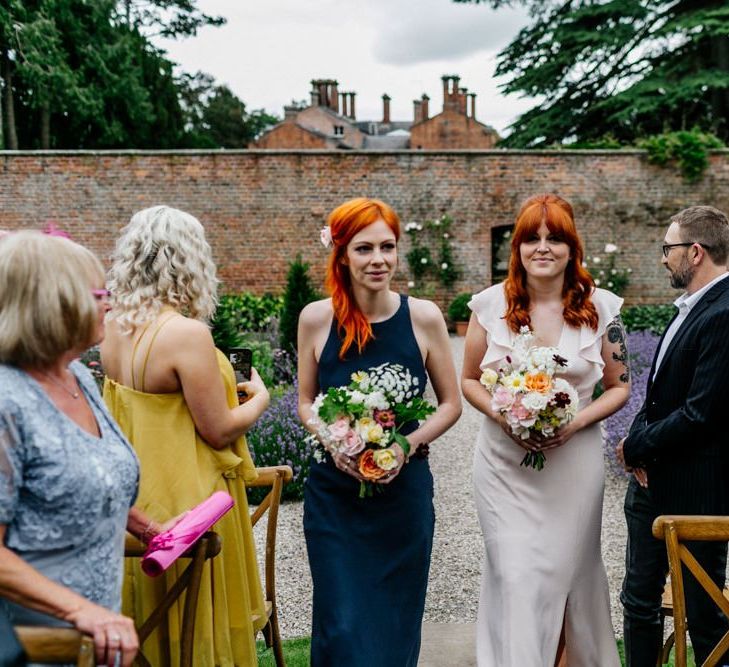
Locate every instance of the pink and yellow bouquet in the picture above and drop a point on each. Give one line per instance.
(363, 419)
(527, 392)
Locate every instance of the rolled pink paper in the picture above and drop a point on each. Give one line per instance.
(165, 548)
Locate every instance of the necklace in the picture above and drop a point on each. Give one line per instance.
(71, 392)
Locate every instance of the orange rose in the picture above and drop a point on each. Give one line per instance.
(540, 382)
(368, 468)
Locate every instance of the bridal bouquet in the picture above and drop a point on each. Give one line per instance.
(363, 418)
(526, 391)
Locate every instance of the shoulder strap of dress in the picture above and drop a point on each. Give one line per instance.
(149, 349)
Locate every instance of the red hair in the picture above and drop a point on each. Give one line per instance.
(557, 214)
(345, 222)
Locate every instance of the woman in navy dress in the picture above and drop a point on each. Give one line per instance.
(369, 557)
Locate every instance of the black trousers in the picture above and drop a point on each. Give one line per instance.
(646, 568)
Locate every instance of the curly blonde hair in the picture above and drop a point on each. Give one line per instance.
(161, 259)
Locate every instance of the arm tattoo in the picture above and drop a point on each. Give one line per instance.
(616, 334)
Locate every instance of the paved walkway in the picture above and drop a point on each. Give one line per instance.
(448, 645)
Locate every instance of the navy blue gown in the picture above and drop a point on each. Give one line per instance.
(369, 557)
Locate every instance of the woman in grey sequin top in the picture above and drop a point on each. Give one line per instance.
(68, 477)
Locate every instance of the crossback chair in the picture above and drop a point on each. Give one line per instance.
(275, 477)
(675, 530)
(52, 646)
(208, 546)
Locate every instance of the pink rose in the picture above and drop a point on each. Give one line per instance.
(352, 444)
(339, 429)
(519, 411)
(502, 399)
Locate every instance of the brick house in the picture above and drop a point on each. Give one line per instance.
(330, 123)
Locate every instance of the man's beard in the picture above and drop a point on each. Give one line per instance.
(681, 277)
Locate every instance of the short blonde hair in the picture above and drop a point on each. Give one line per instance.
(161, 259)
(46, 303)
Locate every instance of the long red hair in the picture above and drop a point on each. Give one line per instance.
(345, 222)
(556, 213)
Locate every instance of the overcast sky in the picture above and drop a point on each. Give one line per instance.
(269, 51)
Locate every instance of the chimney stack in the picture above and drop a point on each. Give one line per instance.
(462, 95)
(334, 96)
(385, 108)
(352, 115)
(424, 111)
(473, 105)
(323, 101)
(417, 111)
(343, 97)
(290, 111)
(314, 93)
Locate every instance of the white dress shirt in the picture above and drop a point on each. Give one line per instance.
(684, 303)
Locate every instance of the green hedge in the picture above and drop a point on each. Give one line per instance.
(653, 318)
(243, 313)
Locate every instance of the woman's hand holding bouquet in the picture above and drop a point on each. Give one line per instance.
(535, 404)
(359, 424)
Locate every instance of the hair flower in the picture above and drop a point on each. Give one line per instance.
(326, 236)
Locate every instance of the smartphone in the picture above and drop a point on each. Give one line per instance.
(241, 359)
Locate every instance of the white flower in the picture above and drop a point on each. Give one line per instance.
(597, 260)
(630, 270)
(597, 282)
(610, 283)
(436, 223)
(444, 265)
(446, 235)
(357, 397)
(376, 400)
(613, 272)
(419, 228)
(316, 405)
(411, 283)
(411, 226)
(611, 247)
(423, 260)
(534, 401)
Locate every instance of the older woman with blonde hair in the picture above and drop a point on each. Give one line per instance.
(174, 396)
(68, 476)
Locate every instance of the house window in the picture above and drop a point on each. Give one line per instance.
(500, 252)
(339, 130)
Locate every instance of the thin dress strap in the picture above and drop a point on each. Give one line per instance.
(149, 349)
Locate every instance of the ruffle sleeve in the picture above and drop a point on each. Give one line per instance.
(590, 348)
(489, 307)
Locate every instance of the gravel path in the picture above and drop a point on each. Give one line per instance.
(454, 575)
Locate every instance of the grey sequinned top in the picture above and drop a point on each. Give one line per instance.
(64, 493)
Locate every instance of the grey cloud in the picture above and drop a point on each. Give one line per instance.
(442, 30)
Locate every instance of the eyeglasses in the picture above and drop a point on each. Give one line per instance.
(101, 294)
(666, 247)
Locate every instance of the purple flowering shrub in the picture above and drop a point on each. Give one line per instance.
(279, 438)
(641, 348)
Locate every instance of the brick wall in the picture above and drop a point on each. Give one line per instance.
(262, 207)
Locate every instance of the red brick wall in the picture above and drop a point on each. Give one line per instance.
(262, 207)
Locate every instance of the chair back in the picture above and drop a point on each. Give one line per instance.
(208, 546)
(53, 646)
(675, 531)
(275, 477)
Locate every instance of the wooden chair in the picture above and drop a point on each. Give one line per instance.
(275, 477)
(189, 581)
(675, 530)
(51, 646)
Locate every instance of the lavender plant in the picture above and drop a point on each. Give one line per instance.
(278, 438)
(641, 346)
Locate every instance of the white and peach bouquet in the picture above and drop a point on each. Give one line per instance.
(527, 392)
(364, 418)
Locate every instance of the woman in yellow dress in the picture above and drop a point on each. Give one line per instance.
(174, 395)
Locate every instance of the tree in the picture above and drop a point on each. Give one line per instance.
(166, 18)
(299, 292)
(216, 117)
(618, 67)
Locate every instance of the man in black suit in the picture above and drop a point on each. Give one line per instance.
(678, 444)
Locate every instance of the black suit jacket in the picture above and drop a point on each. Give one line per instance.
(681, 434)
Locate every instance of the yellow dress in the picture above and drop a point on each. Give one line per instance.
(178, 471)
